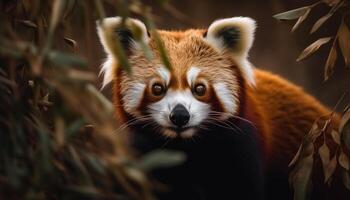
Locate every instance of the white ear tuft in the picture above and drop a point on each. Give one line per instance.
(234, 35)
(130, 34)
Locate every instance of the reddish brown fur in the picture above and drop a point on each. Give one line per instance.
(281, 110)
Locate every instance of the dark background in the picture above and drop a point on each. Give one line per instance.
(275, 48)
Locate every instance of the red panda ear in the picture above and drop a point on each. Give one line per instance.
(130, 33)
(234, 35)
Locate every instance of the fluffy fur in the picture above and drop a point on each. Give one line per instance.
(242, 131)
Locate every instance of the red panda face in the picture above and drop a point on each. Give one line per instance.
(203, 86)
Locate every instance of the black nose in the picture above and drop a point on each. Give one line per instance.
(179, 116)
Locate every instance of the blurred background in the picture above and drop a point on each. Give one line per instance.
(51, 108)
(275, 49)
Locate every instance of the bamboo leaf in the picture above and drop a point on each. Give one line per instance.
(335, 136)
(86, 191)
(345, 130)
(57, 12)
(346, 179)
(330, 168)
(331, 2)
(296, 157)
(292, 14)
(71, 42)
(66, 59)
(301, 179)
(137, 33)
(344, 120)
(323, 19)
(330, 63)
(344, 42)
(344, 161)
(28, 23)
(161, 159)
(114, 44)
(100, 10)
(319, 22)
(313, 48)
(162, 51)
(301, 19)
(323, 152)
(305, 149)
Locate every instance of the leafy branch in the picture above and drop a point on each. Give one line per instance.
(341, 38)
(328, 140)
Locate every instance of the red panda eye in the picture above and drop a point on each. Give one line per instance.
(158, 89)
(199, 90)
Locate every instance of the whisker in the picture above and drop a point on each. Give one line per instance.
(132, 121)
(217, 113)
(210, 121)
(226, 124)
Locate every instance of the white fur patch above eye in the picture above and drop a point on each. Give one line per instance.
(226, 97)
(192, 74)
(133, 97)
(164, 74)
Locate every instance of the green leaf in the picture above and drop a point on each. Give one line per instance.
(162, 51)
(292, 14)
(66, 59)
(112, 40)
(87, 191)
(73, 128)
(161, 159)
(95, 164)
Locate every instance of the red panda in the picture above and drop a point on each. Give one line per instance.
(239, 126)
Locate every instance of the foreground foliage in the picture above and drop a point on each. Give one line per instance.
(59, 139)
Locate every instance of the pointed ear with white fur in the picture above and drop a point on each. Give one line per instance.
(234, 35)
(130, 33)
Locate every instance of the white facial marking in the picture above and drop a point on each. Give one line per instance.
(192, 75)
(165, 74)
(133, 97)
(226, 97)
(169, 133)
(188, 133)
(161, 110)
